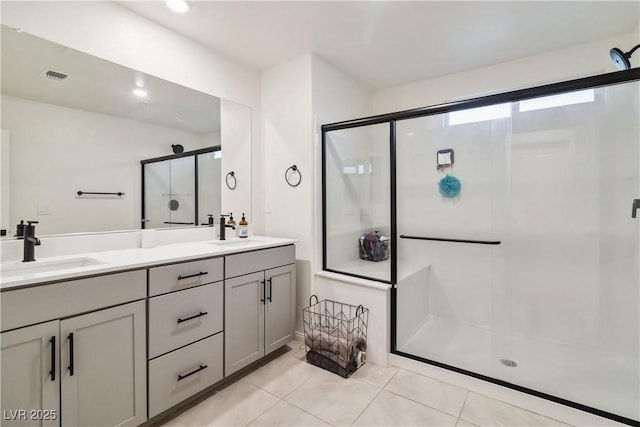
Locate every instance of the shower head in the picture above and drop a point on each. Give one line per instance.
(621, 59)
(177, 148)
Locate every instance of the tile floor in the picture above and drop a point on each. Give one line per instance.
(290, 392)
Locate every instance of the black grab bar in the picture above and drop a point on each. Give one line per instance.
(440, 239)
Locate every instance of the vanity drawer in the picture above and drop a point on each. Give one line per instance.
(250, 262)
(184, 275)
(178, 319)
(26, 306)
(169, 379)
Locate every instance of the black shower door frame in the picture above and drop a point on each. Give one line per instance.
(194, 154)
(596, 81)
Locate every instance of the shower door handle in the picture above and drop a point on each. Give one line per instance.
(634, 207)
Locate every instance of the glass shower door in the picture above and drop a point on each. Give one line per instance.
(157, 182)
(169, 193)
(446, 242)
(566, 290)
(182, 197)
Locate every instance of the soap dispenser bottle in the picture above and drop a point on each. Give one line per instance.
(231, 223)
(20, 230)
(210, 221)
(243, 228)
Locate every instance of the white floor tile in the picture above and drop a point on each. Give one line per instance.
(331, 398)
(437, 394)
(281, 376)
(389, 409)
(236, 405)
(285, 414)
(288, 391)
(484, 411)
(464, 423)
(375, 375)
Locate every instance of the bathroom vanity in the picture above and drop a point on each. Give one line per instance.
(120, 337)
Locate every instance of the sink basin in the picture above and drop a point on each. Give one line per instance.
(26, 268)
(232, 242)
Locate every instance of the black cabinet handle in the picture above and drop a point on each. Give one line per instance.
(264, 293)
(202, 273)
(181, 377)
(71, 369)
(195, 316)
(52, 372)
(270, 289)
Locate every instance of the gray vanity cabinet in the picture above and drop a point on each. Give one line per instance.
(279, 316)
(244, 321)
(98, 352)
(185, 331)
(259, 304)
(30, 394)
(103, 361)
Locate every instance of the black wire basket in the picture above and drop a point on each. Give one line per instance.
(335, 335)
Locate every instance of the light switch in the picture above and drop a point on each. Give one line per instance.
(44, 209)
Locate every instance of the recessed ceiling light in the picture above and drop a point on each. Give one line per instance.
(180, 6)
(139, 92)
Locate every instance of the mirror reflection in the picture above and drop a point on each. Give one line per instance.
(181, 190)
(73, 122)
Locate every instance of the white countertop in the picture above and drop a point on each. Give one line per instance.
(11, 275)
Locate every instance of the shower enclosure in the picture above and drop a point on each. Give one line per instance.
(182, 189)
(530, 276)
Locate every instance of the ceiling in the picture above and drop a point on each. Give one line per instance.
(388, 43)
(100, 86)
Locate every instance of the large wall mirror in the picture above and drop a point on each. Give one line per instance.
(72, 122)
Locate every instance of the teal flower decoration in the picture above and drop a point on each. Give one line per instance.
(449, 186)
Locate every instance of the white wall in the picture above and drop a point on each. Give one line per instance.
(554, 66)
(297, 97)
(52, 149)
(235, 123)
(111, 32)
(287, 132)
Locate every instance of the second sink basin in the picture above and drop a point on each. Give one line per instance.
(26, 268)
(233, 242)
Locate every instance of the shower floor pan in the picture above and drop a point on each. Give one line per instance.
(595, 378)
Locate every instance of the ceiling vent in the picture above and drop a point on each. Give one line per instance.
(53, 76)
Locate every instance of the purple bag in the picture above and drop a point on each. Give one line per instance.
(373, 247)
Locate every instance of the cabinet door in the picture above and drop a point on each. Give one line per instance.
(243, 321)
(30, 376)
(280, 307)
(103, 357)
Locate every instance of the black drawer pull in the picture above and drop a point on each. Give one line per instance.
(70, 368)
(195, 316)
(181, 377)
(270, 289)
(52, 372)
(264, 292)
(202, 273)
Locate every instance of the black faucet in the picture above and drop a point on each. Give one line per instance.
(223, 227)
(30, 241)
